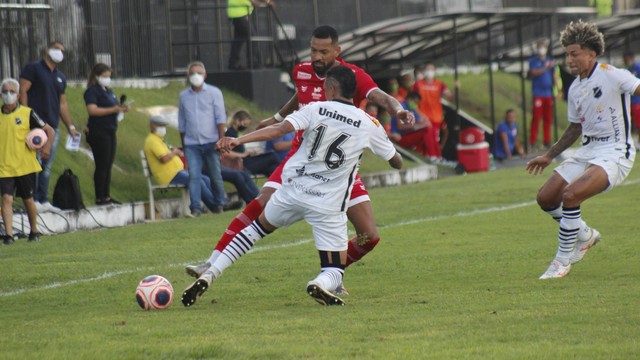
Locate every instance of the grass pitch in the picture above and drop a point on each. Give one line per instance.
(454, 277)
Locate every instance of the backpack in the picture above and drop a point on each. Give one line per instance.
(67, 194)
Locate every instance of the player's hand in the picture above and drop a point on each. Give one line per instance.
(225, 144)
(266, 122)
(45, 153)
(406, 117)
(537, 165)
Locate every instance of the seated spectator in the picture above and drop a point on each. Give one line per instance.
(412, 136)
(167, 167)
(280, 146)
(507, 143)
(239, 158)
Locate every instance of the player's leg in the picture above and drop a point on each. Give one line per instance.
(25, 186)
(240, 245)
(593, 181)
(330, 234)
(547, 120)
(360, 214)
(7, 188)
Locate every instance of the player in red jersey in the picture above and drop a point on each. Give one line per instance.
(309, 79)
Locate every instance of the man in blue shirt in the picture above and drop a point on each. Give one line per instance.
(541, 71)
(507, 143)
(634, 68)
(42, 88)
(201, 122)
(280, 146)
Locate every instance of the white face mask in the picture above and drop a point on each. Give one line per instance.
(161, 131)
(429, 74)
(56, 55)
(196, 80)
(9, 98)
(104, 81)
(542, 51)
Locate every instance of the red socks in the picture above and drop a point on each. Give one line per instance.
(356, 252)
(246, 217)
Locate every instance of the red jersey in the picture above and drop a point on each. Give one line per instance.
(310, 89)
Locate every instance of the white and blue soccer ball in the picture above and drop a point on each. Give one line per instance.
(154, 293)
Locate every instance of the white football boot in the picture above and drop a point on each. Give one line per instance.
(556, 270)
(592, 237)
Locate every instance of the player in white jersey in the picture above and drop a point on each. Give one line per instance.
(316, 183)
(598, 113)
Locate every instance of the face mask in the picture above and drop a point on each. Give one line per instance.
(161, 131)
(542, 51)
(196, 80)
(393, 88)
(241, 128)
(412, 105)
(9, 98)
(429, 74)
(56, 55)
(104, 81)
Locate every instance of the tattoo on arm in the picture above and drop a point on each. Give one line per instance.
(387, 102)
(570, 136)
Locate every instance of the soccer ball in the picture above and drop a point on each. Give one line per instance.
(154, 293)
(36, 139)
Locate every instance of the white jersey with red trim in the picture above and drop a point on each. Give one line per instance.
(601, 103)
(321, 173)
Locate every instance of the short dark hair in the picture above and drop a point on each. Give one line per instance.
(325, 32)
(96, 70)
(509, 111)
(346, 80)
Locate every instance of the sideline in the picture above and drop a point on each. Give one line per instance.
(108, 275)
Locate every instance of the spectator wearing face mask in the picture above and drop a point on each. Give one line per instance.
(431, 90)
(542, 74)
(103, 108)
(201, 122)
(42, 88)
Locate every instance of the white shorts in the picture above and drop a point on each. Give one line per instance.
(611, 161)
(329, 230)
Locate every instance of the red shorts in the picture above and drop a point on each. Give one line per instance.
(358, 191)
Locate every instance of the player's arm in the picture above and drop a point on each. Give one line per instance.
(396, 161)
(537, 165)
(269, 133)
(36, 122)
(637, 91)
(391, 105)
(287, 109)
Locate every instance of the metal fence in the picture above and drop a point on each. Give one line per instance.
(143, 38)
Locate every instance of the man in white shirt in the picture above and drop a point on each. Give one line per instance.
(316, 183)
(598, 111)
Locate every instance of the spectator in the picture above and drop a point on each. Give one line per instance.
(42, 88)
(167, 167)
(18, 163)
(238, 11)
(394, 89)
(542, 73)
(201, 122)
(634, 68)
(280, 146)
(412, 136)
(406, 86)
(431, 90)
(103, 108)
(263, 164)
(507, 143)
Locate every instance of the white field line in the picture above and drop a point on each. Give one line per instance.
(286, 245)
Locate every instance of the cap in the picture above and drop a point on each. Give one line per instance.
(159, 120)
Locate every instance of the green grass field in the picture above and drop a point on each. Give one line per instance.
(454, 277)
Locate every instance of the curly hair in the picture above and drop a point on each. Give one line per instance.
(584, 34)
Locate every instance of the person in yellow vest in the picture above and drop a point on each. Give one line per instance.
(238, 12)
(18, 163)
